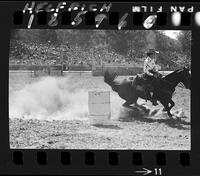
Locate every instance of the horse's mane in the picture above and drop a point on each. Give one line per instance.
(173, 73)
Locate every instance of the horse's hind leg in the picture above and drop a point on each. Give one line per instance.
(127, 103)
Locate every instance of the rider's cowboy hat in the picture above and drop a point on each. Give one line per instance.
(152, 51)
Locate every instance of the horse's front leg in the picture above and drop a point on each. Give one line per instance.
(166, 107)
(172, 104)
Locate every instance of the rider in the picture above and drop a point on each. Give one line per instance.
(150, 74)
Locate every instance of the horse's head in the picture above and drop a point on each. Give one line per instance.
(185, 77)
(180, 76)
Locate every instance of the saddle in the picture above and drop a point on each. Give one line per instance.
(139, 82)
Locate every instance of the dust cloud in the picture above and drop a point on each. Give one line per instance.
(53, 98)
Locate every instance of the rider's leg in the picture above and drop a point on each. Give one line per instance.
(147, 94)
(154, 99)
(154, 96)
(148, 90)
(150, 80)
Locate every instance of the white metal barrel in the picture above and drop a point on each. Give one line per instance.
(99, 107)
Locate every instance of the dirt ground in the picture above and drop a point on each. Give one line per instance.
(128, 129)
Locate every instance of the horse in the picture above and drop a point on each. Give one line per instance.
(167, 84)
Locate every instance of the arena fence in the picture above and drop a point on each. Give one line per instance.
(39, 70)
(96, 70)
(52, 67)
(34, 67)
(79, 68)
(120, 70)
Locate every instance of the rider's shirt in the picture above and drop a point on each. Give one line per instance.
(149, 64)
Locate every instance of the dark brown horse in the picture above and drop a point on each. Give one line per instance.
(130, 93)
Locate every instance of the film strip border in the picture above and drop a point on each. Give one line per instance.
(89, 158)
(95, 15)
(113, 18)
(177, 19)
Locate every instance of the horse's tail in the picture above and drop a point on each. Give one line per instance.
(110, 80)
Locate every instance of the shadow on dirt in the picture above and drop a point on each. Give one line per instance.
(143, 114)
(115, 127)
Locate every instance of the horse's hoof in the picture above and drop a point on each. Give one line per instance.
(154, 103)
(164, 110)
(170, 115)
(152, 113)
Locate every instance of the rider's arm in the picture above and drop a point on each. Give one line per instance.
(154, 66)
(158, 67)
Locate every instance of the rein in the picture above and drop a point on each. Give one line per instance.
(180, 84)
(167, 81)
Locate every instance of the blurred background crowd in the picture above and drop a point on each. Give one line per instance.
(98, 47)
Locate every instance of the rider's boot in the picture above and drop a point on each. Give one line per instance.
(154, 100)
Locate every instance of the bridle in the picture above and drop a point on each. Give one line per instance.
(181, 85)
